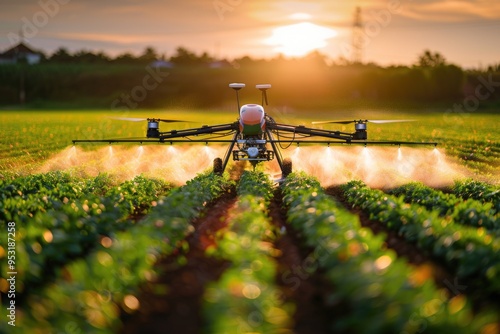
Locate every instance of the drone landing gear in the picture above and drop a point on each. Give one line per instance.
(287, 167)
(218, 170)
(254, 163)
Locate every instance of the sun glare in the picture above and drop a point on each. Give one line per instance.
(299, 39)
(300, 16)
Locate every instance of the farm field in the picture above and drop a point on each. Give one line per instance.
(129, 239)
(30, 138)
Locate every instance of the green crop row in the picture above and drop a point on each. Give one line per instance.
(54, 224)
(467, 212)
(51, 224)
(139, 194)
(471, 253)
(92, 291)
(256, 184)
(21, 198)
(55, 237)
(375, 292)
(246, 299)
(479, 191)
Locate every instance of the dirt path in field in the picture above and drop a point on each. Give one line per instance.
(393, 241)
(425, 265)
(173, 303)
(300, 285)
(411, 252)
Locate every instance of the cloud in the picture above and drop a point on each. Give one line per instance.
(104, 37)
(280, 12)
(121, 26)
(452, 10)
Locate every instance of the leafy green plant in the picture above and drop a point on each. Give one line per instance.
(139, 193)
(93, 289)
(468, 212)
(246, 299)
(58, 219)
(23, 197)
(380, 292)
(478, 190)
(471, 253)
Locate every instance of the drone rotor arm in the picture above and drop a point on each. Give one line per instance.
(204, 130)
(311, 132)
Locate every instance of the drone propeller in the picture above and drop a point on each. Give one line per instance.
(167, 120)
(377, 121)
(133, 119)
(129, 119)
(382, 121)
(331, 122)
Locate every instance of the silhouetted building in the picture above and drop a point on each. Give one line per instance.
(219, 64)
(162, 64)
(21, 53)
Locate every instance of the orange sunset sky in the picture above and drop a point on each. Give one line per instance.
(467, 33)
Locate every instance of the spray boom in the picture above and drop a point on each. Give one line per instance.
(255, 136)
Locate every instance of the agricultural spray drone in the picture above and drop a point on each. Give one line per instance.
(255, 136)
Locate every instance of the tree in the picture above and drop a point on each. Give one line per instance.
(206, 58)
(61, 55)
(429, 59)
(149, 55)
(448, 81)
(316, 57)
(125, 58)
(90, 57)
(244, 61)
(494, 68)
(185, 57)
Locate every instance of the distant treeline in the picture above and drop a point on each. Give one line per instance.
(90, 80)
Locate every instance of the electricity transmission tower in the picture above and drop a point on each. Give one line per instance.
(357, 37)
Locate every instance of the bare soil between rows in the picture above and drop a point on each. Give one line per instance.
(442, 277)
(298, 284)
(173, 304)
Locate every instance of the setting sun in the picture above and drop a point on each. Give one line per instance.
(299, 39)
